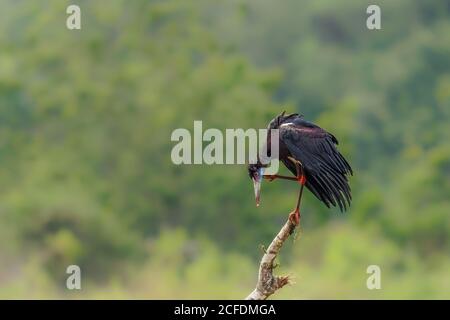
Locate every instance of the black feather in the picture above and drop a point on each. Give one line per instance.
(325, 167)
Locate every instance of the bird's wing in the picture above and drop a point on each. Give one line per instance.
(326, 169)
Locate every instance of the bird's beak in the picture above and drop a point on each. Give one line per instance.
(257, 186)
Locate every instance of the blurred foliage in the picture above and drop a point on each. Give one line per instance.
(85, 124)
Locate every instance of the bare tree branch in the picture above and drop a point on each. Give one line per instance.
(268, 283)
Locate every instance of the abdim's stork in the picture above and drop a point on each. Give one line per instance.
(310, 153)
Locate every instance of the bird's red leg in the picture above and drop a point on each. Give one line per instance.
(294, 216)
(272, 177)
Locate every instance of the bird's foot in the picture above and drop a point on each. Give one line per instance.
(302, 179)
(294, 217)
(270, 177)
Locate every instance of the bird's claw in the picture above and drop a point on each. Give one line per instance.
(270, 177)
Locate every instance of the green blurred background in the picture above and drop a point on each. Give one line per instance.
(85, 122)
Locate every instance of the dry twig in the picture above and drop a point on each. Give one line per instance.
(268, 283)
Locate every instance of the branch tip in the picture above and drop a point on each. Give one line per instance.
(267, 283)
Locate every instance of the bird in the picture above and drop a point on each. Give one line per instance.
(311, 154)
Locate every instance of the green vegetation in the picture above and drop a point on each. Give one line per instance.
(85, 124)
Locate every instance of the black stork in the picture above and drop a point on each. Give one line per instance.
(310, 153)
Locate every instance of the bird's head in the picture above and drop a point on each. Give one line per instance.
(256, 171)
(281, 118)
